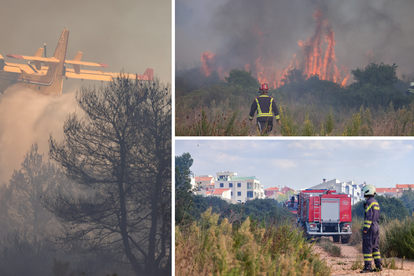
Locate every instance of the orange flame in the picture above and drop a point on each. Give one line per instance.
(207, 59)
(314, 60)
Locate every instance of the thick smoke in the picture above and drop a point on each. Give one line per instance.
(27, 117)
(239, 32)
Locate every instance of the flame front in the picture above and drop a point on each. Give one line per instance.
(208, 62)
(317, 58)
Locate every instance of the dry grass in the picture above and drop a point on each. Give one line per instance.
(298, 119)
(209, 248)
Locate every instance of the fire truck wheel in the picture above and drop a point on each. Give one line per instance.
(336, 238)
(345, 240)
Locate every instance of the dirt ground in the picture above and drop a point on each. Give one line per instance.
(342, 265)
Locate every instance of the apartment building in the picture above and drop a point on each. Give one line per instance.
(205, 182)
(242, 188)
(350, 188)
(271, 191)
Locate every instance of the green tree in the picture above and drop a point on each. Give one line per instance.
(242, 77)
(376, 74)
(408, 199)
(391, 208)
(183, 196)
(119, 154)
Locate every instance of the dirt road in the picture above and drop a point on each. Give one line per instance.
(342, 265)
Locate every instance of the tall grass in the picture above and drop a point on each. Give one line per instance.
(301, 118)
(356, 228)
(221, 125)
(397, 239)
(330, 248)
(251, 248)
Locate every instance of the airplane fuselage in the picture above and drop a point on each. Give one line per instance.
(29, 77)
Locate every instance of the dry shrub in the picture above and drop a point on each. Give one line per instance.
(209, 248)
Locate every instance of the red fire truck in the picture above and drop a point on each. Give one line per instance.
(325, 213)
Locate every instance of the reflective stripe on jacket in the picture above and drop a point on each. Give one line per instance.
(372, 213)
(265, 106)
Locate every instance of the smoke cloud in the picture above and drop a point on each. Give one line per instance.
(240, 32)
(27, 117)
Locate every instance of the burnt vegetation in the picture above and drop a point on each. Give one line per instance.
(306, 102)
(102, 204)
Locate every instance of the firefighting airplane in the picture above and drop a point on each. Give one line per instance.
(48, 78)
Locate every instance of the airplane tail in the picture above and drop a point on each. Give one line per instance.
(56, 70)
(149, 74)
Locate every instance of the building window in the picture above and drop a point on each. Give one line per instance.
(238, 193)
(230, 185)
(250, 194)
(249, 186)
(231, 193)
(221, 185)
(239, 185)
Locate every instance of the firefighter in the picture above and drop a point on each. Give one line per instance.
(266, 107)
(410, 91)
(370, 245)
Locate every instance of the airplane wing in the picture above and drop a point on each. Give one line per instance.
(35, 58)
(106, 76)
(85, 63)
(12, 67)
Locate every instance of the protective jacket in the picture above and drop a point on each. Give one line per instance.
(265, 106)
(409, 91)
(370, 246)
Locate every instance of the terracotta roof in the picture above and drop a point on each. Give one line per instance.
(272, 188)
(219, 191)
(387, 190)
(402, 186)
(208, 192)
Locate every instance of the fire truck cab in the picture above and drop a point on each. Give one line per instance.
(325, 213)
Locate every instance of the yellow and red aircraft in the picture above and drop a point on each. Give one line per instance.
(48, 78)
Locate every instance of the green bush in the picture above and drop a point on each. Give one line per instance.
(399, 237)
(212, 248)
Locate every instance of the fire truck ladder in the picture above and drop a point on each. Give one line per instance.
(317, 209)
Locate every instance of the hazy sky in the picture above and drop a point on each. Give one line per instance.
(365, 31)
(126, 34)
(304, 163)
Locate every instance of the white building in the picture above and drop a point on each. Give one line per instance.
(222, 193)
(242, 188)
(349, 188)
(192, 180)
(205, 181)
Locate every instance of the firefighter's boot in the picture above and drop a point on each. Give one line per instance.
(378, 266)
(367, 268)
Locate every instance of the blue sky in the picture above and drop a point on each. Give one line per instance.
(303, 163)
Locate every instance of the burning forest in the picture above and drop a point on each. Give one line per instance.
(316, 57)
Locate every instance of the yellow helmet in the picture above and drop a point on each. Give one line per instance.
(368, 190)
